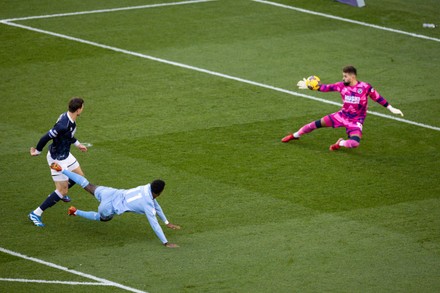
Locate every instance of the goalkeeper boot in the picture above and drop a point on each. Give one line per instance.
(35, 219)
(71, 211)
(289, 138)
(336, 145)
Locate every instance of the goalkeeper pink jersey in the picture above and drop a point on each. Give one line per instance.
(355, 98)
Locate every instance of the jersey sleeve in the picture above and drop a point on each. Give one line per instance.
(375, 96)
(150, 212)
(43, 141)
(334, 87)
(160, 212)
(56, 130)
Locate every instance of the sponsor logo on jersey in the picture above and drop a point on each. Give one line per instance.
(351, 99)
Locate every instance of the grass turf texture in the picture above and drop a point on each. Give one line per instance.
(257, 215)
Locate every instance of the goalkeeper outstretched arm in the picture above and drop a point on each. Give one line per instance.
(302, 85)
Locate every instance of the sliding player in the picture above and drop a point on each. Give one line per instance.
(139, 200)
(355, 95)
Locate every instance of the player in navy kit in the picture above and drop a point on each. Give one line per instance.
(62, 136)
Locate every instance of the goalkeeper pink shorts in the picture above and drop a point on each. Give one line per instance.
(353, 127)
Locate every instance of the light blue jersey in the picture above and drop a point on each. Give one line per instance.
(137, 200)
(114, 201)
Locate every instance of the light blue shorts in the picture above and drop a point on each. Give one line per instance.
(105, 196)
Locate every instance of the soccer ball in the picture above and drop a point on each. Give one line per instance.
(313, 82)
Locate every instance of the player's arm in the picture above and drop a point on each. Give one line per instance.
(375, 96)
(162, 216)
(150, 213)
(336, 87)
(35, 151)
(79, 145)
(58, 129)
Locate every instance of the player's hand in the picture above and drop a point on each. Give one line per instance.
(34, 152)
(172, 226)
(394, 110)
(302, 84)
(82, 148)
(171, 245)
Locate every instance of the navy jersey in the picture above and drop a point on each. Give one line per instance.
(63, 135)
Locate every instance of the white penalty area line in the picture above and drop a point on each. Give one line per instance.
(181, 65)
(212, 73)
(53, 282)
(101, 281)
(348, 20)
(106, 10)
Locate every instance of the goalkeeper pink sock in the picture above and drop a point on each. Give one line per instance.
(349, 143)
(306, 129)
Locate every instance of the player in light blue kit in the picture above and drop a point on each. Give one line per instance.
(139, 200)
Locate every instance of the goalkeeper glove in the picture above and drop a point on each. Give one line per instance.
(394, 110)
(302, 84)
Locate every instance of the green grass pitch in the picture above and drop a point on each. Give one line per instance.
(256, 215)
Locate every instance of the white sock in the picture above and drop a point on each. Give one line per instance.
(59, 194)
(342, 143)
(38, 211)
(296, 135)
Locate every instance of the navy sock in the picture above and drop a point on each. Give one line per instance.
(51, 200)
(318, 123)
(71, 183)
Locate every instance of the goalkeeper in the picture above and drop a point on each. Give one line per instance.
(139, 200)
(354, 95)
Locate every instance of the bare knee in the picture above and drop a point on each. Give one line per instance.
(62, 187)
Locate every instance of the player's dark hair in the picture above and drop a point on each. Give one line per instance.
(157, 186)
(75, 104)
(349, 69)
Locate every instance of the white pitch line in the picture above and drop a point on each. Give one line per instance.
(54, 282)
(106, 10)
(348, 20)
(177, 64)
(88, 276)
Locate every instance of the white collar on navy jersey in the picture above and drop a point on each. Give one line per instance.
(70, 118)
